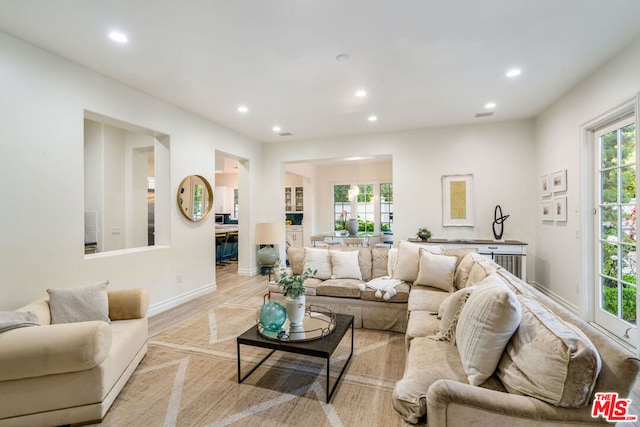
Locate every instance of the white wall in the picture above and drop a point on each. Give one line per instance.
(499, 155)
(558, 146)
(41, 175)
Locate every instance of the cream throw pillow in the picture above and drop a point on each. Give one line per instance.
(69, 305)
(318, 259)
(344, 265)
(436, 270)
(449, 313)
(549, 359)
(487, 321)
(407, 264)
(481, 268)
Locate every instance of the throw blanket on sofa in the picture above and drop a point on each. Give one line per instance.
(382, 284)
(16, 319)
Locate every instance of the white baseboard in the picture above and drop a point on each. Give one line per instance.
(557, 298)
(180, 299)
(248, 271)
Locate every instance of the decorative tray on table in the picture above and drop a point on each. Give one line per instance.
(318, 322)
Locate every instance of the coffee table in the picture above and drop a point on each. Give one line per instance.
(321, 347)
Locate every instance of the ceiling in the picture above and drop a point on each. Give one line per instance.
(423, 63)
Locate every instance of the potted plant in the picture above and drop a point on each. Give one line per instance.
(293, 287)
(423, 233)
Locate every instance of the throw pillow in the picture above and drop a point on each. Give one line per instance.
(481, 268)
(407, 264)
(449, 313)
(318, 259)
(464, 268)
(549, 359)
(487, 321)
(436, 271)
(69, 305)
(344, 265)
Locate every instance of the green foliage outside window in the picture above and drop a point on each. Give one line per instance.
(610, 302)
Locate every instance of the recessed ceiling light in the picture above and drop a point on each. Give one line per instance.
(514, 72)
(243, 109)
(343, 57)
(373, 118)
(276, 128)
(117, 36)
(361, 93)
(490, 105)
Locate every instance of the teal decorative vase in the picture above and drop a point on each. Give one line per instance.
(272, 316)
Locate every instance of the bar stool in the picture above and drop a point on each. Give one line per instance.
(355, 241)
(221, 240)
(231, 254)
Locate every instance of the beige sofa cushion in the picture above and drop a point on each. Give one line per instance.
(549, 359)
(423, 298)
(53, 349)
(344, 265)
(318, 260)
(379, 262)
(128, 304)
(436, 270)
(481, 268)
(79, 304)
(487, 321)
(342, 288)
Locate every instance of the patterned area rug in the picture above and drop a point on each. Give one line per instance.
(189, 378)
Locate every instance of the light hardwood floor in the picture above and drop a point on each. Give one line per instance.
(230, 284)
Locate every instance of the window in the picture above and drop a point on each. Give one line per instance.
(341, 206)
(365, 208)
(386, 208)
(372, 204)
(615, 227)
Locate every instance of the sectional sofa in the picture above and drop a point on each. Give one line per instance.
(482, 346)
(57, 370)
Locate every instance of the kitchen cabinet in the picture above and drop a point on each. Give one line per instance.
(223, 199)
(294, 199)
(295, 236)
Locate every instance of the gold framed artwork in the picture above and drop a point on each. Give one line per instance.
(457, 200)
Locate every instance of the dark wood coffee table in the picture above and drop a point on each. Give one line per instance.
(322, 347)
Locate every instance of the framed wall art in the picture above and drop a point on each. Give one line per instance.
(457, 200)
(560, 209)
(546, 211)
(545, 190)
(558, 181)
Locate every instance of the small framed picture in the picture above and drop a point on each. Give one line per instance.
(558, 181)
(560, 209)
(545, 190)
(546, 211)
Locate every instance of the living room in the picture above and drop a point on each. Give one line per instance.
(46, 97)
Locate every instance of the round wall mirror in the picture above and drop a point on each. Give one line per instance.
(195, 197)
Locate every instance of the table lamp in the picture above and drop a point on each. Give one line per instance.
(268, 234)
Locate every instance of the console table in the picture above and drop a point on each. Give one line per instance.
(510, 254)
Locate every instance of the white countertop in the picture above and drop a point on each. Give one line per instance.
(226, 228)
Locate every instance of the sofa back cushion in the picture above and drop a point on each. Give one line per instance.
(487, 321)
(549, 359)
(481, 268)
(379, 262)
(464, 267)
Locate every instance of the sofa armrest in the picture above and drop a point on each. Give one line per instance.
(128, 304)
(53, 349)
(450, 403)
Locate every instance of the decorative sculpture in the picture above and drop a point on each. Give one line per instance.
(498, 220)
